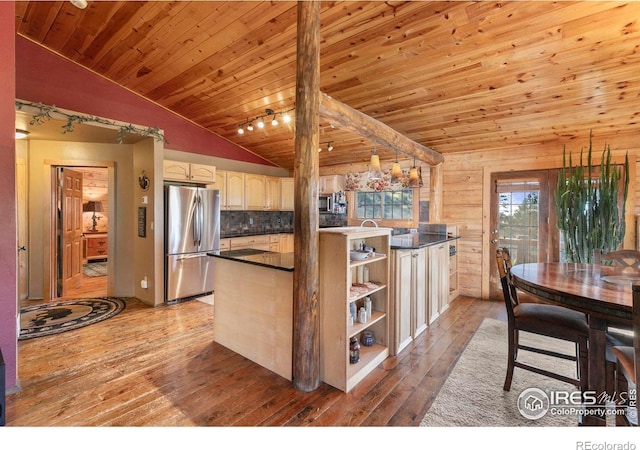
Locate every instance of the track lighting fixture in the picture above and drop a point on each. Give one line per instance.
(259, 121)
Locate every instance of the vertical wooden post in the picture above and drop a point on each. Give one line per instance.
(435, 193)
(306, 320)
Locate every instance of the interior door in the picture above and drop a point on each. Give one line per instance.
(71, 229)
(520, 218)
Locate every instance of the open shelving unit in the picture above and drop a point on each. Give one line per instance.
(337, 275)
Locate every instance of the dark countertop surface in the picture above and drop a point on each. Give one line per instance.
(253, 233)
(419, 240)
(273, 260)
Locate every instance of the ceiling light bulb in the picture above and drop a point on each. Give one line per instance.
(260, 123)
(330, 147)
(274, 122)
(286, 118)
(240, 130)
(21, 134)
(319, 149)
(82, 4)
(250, 127)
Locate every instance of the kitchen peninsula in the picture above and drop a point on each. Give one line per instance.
(253, 306)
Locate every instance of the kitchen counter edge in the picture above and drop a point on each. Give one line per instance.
(272, 260)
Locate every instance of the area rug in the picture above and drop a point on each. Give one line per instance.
(51, 318)
(95, 269)
(472, 396)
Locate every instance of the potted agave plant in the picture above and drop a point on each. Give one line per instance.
(590, 210)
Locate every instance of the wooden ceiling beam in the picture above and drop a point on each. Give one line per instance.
(347, 118)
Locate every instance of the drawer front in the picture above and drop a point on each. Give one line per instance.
(97, 243)
(250, 242)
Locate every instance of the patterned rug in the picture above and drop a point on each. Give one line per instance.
(95, 269)
(51, 318)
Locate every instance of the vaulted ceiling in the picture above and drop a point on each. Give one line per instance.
(452, 76)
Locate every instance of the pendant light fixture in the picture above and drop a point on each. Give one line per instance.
(414, 179)
(396, 171)
(374, 165)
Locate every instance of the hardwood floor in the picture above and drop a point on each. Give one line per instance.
(160, 367)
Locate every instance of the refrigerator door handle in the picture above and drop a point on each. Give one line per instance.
(199, 218)
(194, 222)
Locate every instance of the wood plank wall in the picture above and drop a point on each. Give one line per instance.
(466, 194)
(467, 197)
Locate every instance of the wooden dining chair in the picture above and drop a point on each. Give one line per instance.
(546, 320)
(628, 364)
(618, 334)
(625, 258)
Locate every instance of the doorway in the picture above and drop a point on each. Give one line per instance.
(522, 219)
(80, 252)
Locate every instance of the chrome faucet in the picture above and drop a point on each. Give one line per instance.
(369, 220)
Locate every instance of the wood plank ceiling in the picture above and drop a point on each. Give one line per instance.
(452, 76)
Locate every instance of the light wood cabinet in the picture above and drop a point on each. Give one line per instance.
(286, 243)
(221, 185)
(336, 278)
(254, 191)
(328, 184)
(191, 172)
(438, 263)
(261, 193)
(272, 193)
(235, 190)
(410, 310)
(452, 230)
(260, 242)
(274, 243)
(286, 194)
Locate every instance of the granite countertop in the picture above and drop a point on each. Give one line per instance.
(273, 260)
(419, 240)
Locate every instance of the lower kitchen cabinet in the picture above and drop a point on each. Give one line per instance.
(259, 242)
(438, 279)
(409, 281)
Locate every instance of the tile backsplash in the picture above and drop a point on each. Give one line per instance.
(240, 223)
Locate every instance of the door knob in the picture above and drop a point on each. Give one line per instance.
(22, 248)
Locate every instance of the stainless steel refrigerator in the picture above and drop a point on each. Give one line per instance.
(192, 227)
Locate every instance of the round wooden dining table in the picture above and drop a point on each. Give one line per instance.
(603, 293)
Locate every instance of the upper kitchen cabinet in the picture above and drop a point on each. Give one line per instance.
(261, 193)
(329, 184)
(254, 191)
(190, 172)
(272, 193)
(221, 185)
(286, 194)
(235, 190)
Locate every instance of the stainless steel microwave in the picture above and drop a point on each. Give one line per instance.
(325, 203)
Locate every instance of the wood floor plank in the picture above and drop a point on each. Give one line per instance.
(160, 367)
